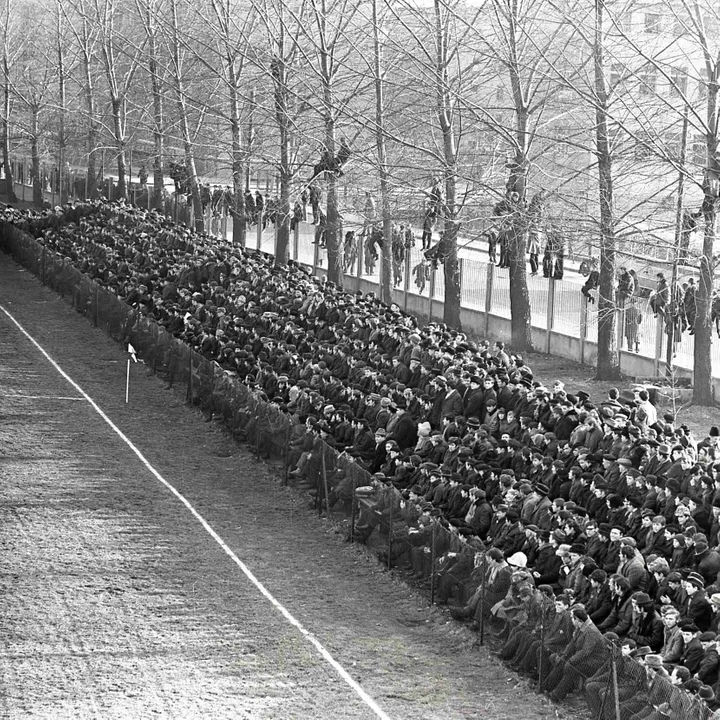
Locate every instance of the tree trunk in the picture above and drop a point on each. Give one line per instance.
(520, 325)
(451, 313)
(332, 239)
(38, 189)
(387, 254)
(238, 162)
(9, 179)
(63, 166)
(91, 183)
(283, 212)
(116, 105)
(184, 125)
(608, 359)
(702, 359)
(451, 269)
(158, 194)
(332, 243)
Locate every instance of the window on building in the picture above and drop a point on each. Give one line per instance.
(678, 81)
(652, 23)
(616, 75)
(679, 26)
(698, 149)
(647, 78)
(702, 84)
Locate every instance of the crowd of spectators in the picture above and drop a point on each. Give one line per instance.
(607, 505)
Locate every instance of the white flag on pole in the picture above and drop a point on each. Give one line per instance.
(131, 350)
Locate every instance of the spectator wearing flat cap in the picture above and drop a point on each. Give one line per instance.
(707, 673)
(542, 513)
(693, 652)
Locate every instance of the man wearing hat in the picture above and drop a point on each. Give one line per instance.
(542, 512)
(632, 565)
(707, 673)
(380, 454)
(405, 430)
(646, 627)
(571, 570)
(546, 570)
(697, 608)
(596, 541)
(580, 660)
(692, 647)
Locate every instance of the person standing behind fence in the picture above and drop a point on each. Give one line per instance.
(633, 319)
(370, 212)
(428, 224)
(661, 297)
(314, 195)
(626, 286)
(689, 306)
(535, 229)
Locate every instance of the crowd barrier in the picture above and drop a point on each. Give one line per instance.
(452, 571)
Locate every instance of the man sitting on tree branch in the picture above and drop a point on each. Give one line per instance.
(330, 163)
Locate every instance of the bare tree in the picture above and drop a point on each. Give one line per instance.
(148, 11)
(32, 87)
(84, 33)
(518, 42)
(7, 60)
(181, 99)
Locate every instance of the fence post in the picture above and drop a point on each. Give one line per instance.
(616, 697)
(257, 434)
(658, 343)
(461, 275)
(390, 541)
(97, 302)
(325, 485)
(286, 455)
(620, 327)
(259, 232)
(488, 295)
(550, 311)
(432, 564)
(408, 253)
(583, 327)
(190, 380)
(296, 240)
(353, 512)
(42, 265)
(542, 647)
(316, 255)
(360, 258)
(482, 598)
(155, 351)
(432, 294)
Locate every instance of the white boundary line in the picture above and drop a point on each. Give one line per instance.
(284, 611)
